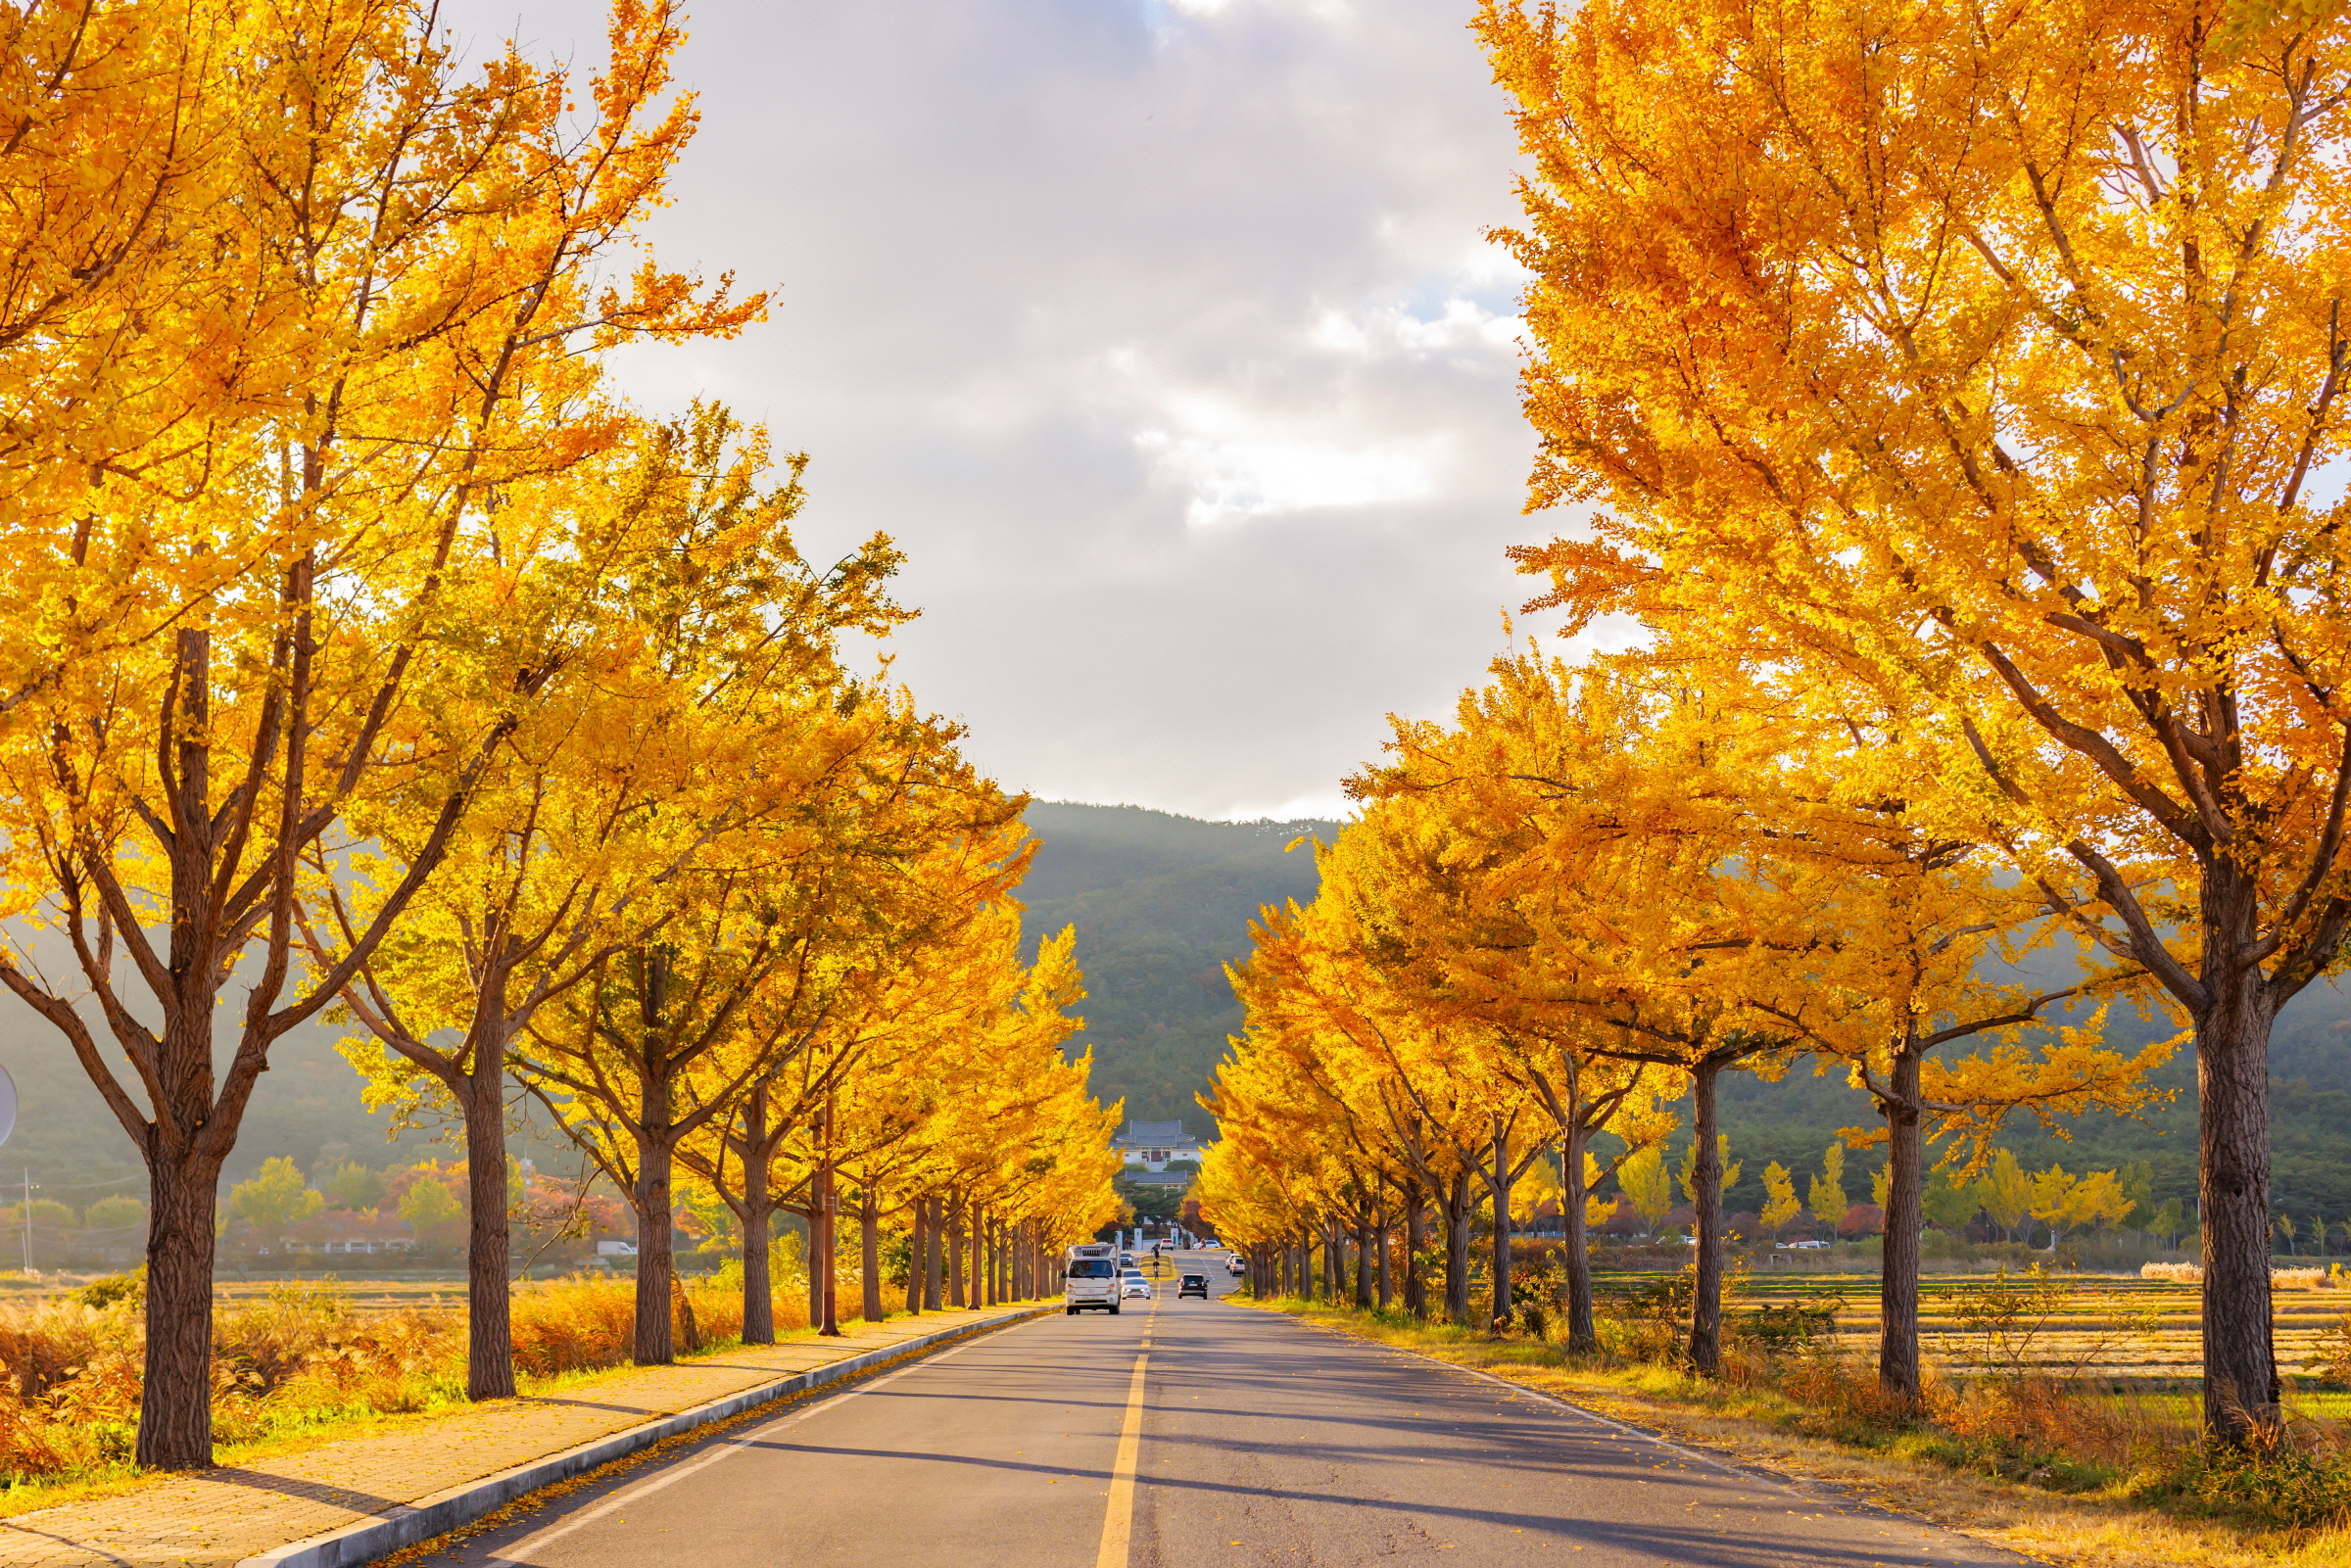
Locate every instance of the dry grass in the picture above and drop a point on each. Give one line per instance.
(295, 1367)
(2329, 1277)
(2057, 1470)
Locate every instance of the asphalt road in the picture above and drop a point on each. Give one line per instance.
(1248, 1439)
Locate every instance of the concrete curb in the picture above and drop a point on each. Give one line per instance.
(443, 1511)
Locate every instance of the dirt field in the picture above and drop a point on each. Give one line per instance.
(2135, 1332)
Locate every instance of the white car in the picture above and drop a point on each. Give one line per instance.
(1091, 1284)
(1132, 1283)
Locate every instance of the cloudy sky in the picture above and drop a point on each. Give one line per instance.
(1161, 333)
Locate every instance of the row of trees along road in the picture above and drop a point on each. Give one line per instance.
(1985, 372)
(363, 648)
(1598, 891)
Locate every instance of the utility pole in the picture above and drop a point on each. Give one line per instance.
(28, 1220)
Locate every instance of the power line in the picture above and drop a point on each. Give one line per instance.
(86, 1186)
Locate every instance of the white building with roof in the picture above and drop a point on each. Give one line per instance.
(1152, 1145)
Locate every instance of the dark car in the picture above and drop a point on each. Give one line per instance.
(1192, 1285)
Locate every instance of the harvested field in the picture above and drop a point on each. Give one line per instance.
(2132, 1332)
(359, 1292)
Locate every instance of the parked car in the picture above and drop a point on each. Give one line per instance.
(1804, 1246)
(1192, 1285)
(1132, 1283)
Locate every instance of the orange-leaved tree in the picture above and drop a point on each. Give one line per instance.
(1920, 942)
(776, 923)
(1604, 897)
(580, 822)
(1991, 360)
(404, 276)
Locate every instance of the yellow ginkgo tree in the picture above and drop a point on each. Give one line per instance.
(401, 272)
(682, 622)
(1990, 362)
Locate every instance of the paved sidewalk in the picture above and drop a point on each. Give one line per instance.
(214, 1518)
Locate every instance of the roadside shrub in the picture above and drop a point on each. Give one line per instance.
(2282, 1485)
(573, 1326)
(1843, 1394)
(1780, 1328)
(585, 1324)
(1643, 1321)
(112, 1288)
(2023, 1326)
(1538, 1285)
(2333, 1358)
(43, 1345)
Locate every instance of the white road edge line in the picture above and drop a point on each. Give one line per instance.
(519, 1552)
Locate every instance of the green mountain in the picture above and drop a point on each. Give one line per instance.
(1793, 1119)
(1162, 903)
(71, 1148)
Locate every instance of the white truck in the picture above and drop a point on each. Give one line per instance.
(1090, 1278)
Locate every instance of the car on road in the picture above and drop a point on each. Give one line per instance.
(1192, 1285)
(1132, 1283)
(1091, 1284)
(1235, 1265)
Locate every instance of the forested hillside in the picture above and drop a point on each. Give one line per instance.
(1160, 903)
(2310, 1127)
(68, 1145)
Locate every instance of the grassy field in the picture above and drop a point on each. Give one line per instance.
(2140, 1335)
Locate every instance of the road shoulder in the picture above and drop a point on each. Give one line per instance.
(2038, 1526)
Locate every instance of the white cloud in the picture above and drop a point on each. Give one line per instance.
(1328, 806)
(1237, 463)
(1164, 336)
(1461, 324)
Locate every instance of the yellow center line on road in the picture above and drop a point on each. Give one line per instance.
(1117, 1525)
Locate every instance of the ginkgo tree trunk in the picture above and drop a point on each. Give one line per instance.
(1585, 1092)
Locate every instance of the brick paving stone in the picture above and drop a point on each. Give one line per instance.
(214, 1518)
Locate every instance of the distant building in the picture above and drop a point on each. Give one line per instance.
(1152, 1145)
(337, 1230)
